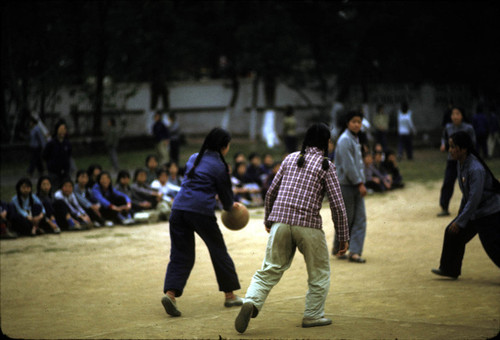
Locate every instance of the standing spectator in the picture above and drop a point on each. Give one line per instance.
(494, 135)
(480, 124)
(175, 137)
(350, 170)
(57, 154)
(290, 130)
(292, 218)
(450, 175)
(37, 144)
(111, 140)
(381, 125)
(161, 135)
(44, 193)
(28, 213)
(447, 115)
(406, 130)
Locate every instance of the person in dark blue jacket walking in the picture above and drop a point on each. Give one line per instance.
(193, 211)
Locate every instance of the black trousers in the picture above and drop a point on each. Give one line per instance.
(450, 176)
(183, 225)
(488, 228)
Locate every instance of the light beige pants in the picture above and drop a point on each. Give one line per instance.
(283, 240)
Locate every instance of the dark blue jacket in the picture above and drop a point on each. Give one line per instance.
(160, 131)
(57, 154)
(210, 178)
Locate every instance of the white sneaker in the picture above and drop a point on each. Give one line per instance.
(109, 224)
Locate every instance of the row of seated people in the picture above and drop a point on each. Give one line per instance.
(251, 179)
(381, 170)
(79, 205)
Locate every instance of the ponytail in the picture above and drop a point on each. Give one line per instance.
(216, 139)
(318, 136)
(463, 141)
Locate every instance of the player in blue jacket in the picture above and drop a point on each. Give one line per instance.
(193, 211)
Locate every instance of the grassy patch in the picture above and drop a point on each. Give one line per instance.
(121, 235)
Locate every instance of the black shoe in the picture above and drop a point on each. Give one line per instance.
(442, 273)
(443, 213)
(170, 306)
(243, 318)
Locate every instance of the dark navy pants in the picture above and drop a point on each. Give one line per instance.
(183, 225)
(488, 228)
(450, 176)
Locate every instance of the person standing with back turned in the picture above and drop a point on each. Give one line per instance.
(350, 168)
(292, 219)
(194, 211)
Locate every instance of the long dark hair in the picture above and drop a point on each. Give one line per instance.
(39, 186)
(462, 140)
(318, 136)
(27, 181)
(216, 139)
(98, 181)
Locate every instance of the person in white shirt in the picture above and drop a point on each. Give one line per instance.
(406, 130)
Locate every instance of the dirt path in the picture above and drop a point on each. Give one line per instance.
(107, 283)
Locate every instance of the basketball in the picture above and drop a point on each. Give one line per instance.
(237, 218)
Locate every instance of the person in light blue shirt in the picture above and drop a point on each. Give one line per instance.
(193, 211)
(479, 211)
(29, 213)
(350, 171)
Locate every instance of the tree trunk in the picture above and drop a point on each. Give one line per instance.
(102, 55)
(235, 85)
(253, 112)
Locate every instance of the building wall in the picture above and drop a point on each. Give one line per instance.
(201, 105)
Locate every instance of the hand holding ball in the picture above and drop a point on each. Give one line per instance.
(237, 218)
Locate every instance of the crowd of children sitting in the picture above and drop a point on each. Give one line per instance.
(91, 200)
(381, 170)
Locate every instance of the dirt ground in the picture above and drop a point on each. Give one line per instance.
(107, 283)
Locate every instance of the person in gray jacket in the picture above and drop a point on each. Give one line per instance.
(479, 209)
(350, 171)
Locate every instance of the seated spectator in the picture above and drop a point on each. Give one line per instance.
(375, 180)
(123, 186)
(69, 214)
(239, 157)
(151, 168)
(266, 167)
(84, 196)
(163, 186)
(248, 194)
(93, 172)
(269, 179)
(379, 149)
(149, 198)
(391, 165)
(115, 206)
(175, 176)
(28, 215)
(254, 171)
(5, 214)
(44, 193)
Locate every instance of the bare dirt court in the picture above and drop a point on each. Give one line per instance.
(107, 283)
